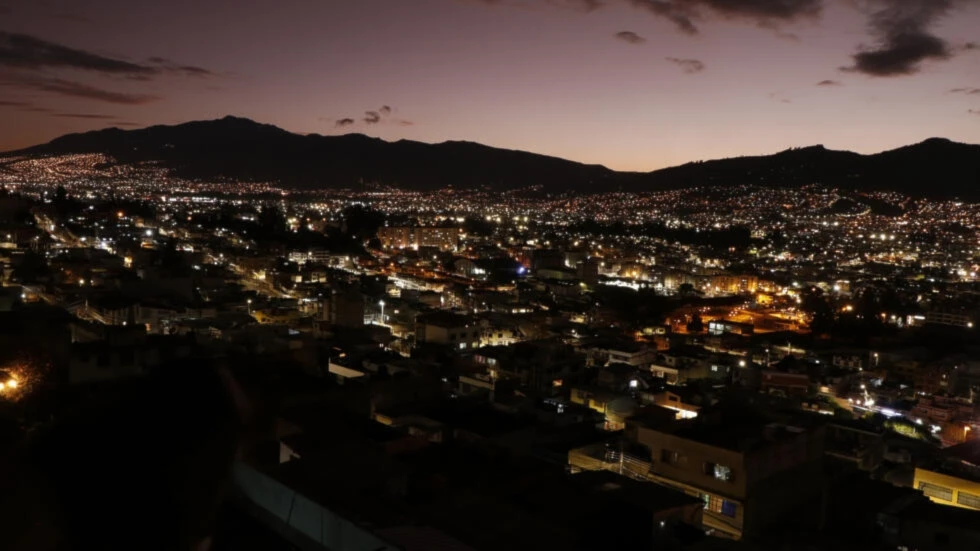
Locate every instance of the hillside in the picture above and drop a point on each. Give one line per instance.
(240, 149)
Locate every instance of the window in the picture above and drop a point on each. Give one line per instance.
(671, 457)
(711, 503)
(720, 472)
(936, 491)
(723, 472)
(728, 508)
(968, 500)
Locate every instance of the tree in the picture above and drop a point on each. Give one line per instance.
(31, 269)
(696, 325)
(362, 222)
(272, 221)
(822, 315)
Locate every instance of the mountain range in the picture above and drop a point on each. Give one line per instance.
(234, 148)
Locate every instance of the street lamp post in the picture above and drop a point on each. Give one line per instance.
(249, 302)
(382, 304)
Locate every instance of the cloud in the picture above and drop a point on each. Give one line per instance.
(188, 70)
(83, 116)
(126, 123)
(973, 111)
(630, 37)
(902, 31)
(767, 13)
(78, 90)
(11, 103)
(689, 66)
(678, 15)
(381, 115)
(970, 91)
(27, 52)
(829, 83)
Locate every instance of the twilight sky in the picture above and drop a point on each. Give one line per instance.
(631, 84)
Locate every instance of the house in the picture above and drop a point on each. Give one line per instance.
(746, 469)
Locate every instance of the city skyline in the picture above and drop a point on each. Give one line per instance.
(632, 85)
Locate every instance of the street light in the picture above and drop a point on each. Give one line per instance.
(249, 301)
(382, 304)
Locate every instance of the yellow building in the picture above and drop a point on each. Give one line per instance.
(955, 479)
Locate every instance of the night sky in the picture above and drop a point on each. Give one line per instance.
(632, 84)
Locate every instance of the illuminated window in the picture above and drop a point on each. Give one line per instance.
(728, 508)
(968, 500)
(723, 473)
(936, 491)
(720, 472)
(715, 504)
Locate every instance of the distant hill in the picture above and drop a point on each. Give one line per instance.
(241, 149)
(937, 168)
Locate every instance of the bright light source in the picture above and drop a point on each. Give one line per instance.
(633, 383)
(12, 383)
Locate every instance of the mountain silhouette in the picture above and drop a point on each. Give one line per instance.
(239, 149)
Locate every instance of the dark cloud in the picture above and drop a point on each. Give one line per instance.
(380, 116)
(77, 90)
(126, 123)
(829, 83)
(11, 103)
(902, 31)
(630, 37)
(83, 116)
(27, 52)
(690, 66)
(678, 15)
(164, 64)
(971, 46)
(971, 91)
(973, 111)
(767, 13)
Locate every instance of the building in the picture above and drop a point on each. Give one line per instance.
(402, 237)
(447, 328)
(721, 327)
(343, 309)
(950, 318)
(954, 477)
(746, 470)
